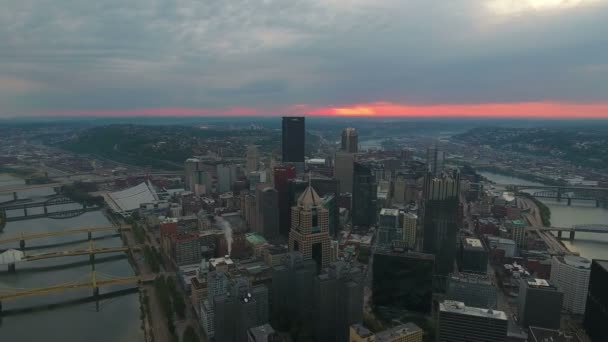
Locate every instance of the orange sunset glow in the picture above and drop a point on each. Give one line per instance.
(520, 109)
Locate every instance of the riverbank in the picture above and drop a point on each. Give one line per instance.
(522, 175)
(545, 212)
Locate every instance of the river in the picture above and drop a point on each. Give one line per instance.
(589, 245)
(113, 319)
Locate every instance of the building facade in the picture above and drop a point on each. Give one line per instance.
(364, 207)
(596, 312)
(460, 323)
(253, 158)
(410, 226)
(344, 170)
(267, 206)
(350, 140)
(440, 208)
(389, 229)
(472, 289)
(570, 274)
(539, 304)
(281, 175)
(293, 139)
(309, 233)
(402, 280)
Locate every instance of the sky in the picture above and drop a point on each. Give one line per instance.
(522, 58)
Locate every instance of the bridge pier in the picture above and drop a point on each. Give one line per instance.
(559, 234)
(572, 235)
(22, 245)
(15, 196)
(90, 235)
(92, 259)
(12, 268)
(597, 203)
(46, 210)
(25, 211)
(569, 201)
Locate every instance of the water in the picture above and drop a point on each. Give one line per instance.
(117, 318)
(589, 245)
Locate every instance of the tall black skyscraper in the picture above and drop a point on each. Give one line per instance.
(293, 139)
(350, 140)
(441, 200)
(365, 189)
(596, 311)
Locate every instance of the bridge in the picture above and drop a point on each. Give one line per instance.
(96, 281)
(89, 231)
(53, 201)
(569, 193)
(588, 228)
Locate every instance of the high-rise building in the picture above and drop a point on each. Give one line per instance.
(517, 229)
(226, 175)
(293, 139)
(539, 304)
(292, 289)
(570, 274)
(408, 332)
(253, 158)
(537, 334)
(473, 257)
(596, 312)
(388, 227)
(472, 289)
(191, 166)
(460, 323)
(327, 188)
(402, 280)
(435, 160)
(267, 204)
(364, 207)
(263, 333)
(309, 233)
(245, 307)
(338, 296)
(344, 170)
(441, 212)
(410, 224)
(282, 175)
(350, 140)
(217, 284)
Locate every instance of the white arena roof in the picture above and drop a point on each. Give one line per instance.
(130, 199)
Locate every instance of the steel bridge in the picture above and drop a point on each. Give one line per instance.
(76, 252)
(96, 281)
(587, 228)
(89, 231)
(569, 193)
(53, 201)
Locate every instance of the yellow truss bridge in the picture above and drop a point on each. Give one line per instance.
(97, 280)
(87, 251)
(25, 237)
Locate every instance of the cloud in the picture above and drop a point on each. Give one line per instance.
(112, 55)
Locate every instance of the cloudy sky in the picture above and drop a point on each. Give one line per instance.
(326, 57)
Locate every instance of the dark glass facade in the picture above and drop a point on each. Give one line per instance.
(402, 280)
(282, 175)
(293, 139)
(365, 189)
(441, 213)
(596, 312)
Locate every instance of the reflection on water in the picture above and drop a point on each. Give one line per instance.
(118, 316)
(589, 245)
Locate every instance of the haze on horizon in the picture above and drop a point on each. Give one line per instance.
(538, 58)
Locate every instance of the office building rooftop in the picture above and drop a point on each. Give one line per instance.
(398, 331)
(460, 308)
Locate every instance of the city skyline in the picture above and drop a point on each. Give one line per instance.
(529, 58)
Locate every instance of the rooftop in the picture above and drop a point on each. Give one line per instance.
(548, 335)
(362, 331)
(602, 263)
(460, 308)
(476, 243)
(255, 239)
(389, 212)
(575, 261)
(309, 198)
(398, 331)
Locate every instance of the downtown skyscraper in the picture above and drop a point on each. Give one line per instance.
(293, 139)
(350, 140)
(440, 207)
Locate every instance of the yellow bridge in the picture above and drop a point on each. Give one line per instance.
(93, 283)
(87, 251)
(24, 237)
